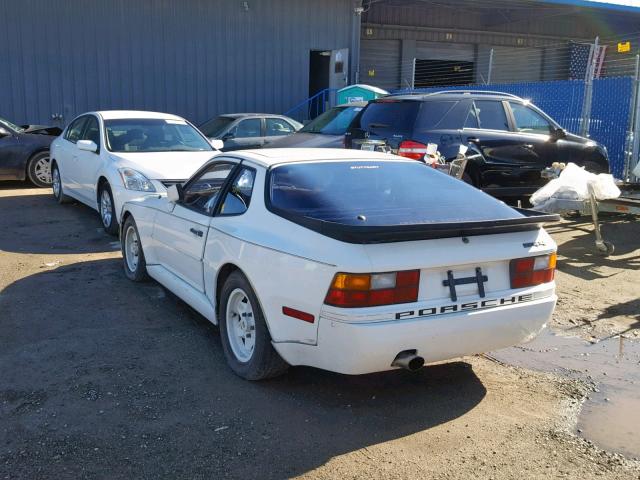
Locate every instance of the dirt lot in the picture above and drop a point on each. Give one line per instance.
(102, 378)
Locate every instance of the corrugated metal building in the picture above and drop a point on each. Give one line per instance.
(196, 58)
(452, 41)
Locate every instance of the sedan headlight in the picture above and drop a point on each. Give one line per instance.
(134, 180)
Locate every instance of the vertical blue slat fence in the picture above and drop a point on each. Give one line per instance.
(562, 100)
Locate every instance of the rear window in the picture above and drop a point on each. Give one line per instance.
(399, 116)
(444, 115)
(378, 193)
(214, 127)
(332, 122)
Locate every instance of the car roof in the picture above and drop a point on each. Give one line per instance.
(274, 156)
(123, 114)
(240, 115)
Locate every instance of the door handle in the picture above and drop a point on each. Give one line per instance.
(473, 139)
(196, 232)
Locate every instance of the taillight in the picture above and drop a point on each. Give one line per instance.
(411, 149)
(354, 290)
(531, 271)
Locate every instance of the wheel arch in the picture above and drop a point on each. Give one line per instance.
(102, 179)
(225, 271)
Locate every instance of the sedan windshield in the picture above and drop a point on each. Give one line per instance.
(332, 122)
(379, 193)
(153, 135)
(11, 125)
(214, 127)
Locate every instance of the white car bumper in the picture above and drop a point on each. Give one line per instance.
(359, 348)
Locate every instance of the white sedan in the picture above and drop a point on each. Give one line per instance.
(353, 262)
(104, 159)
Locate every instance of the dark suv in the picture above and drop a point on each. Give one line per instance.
(516, 139)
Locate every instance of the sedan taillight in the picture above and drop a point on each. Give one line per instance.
(411, 149)
(356, 290)
(531, 271)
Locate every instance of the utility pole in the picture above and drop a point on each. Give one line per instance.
(631, 141)
(490, 67)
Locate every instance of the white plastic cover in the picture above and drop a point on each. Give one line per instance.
(573, 184)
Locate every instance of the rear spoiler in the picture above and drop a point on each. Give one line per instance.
(362, 234)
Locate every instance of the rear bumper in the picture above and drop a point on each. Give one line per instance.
(359, 348)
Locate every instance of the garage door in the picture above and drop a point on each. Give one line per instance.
(516, 65)
(444, 64)
(380, 63)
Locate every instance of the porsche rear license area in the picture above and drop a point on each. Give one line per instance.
(462, 282)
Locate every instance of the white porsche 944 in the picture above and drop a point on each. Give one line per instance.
(349, 261)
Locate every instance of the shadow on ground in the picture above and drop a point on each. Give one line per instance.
(579, 256)
(36, 223)
(106, 378)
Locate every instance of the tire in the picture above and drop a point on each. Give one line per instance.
(107, 209)
(135, 265)
(56, 186)
(240, 314)
(39, 169)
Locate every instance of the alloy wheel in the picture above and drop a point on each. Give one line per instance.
(106, 208)
(241, 326)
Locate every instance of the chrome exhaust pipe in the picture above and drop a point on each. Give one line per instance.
(408, 360)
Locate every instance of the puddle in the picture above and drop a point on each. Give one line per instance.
(611, 416)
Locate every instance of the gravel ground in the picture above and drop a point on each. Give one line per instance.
(102, 378)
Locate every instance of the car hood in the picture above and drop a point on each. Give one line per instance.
(572, 137)
(42, 130)
(308, 140)
(164, 165)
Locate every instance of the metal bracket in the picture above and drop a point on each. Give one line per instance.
(451, 282)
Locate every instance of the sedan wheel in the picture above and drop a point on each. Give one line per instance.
(56, 186)
(39, 169)
(107, 211)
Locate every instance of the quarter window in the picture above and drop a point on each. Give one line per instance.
(249, 128)
(277, 127)
(528, 120)
(201, 195)
(239, 196)
(75, 129)
(491, 115)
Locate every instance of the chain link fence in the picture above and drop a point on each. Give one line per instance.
(590, 88)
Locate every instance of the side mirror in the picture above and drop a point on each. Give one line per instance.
(228, 136)
(87, 145)
(217, 144)
(175, 193)
(558, 134)
(4, 132)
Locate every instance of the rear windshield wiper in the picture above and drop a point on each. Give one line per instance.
(378, 125)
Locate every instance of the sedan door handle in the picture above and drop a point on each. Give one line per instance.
(196, 232)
